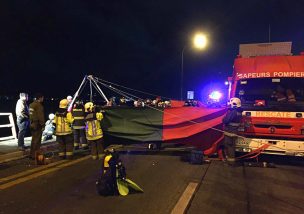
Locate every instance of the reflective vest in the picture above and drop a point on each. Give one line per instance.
(78, 115)
(63, 121)
(93, 127)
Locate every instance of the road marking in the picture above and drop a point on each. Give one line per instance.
(44, 172)
(21, 174)
(184, 200)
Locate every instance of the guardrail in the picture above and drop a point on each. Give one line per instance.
(10, 125)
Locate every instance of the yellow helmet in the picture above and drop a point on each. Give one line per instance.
(88, 106)
(63, 103)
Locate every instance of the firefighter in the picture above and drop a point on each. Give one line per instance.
(79, 125)
(64, 133)
(279, 94)
(37, 123)
(231, 124)
(94, 132)
(290, 96)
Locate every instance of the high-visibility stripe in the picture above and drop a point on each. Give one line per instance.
(64, 133)
(61, 154)
(77, 109)
(69, 153)
(62, 126)
(95, 137)
(78, 127)
(78, 118)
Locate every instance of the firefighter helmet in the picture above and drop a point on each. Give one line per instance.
(88, 106)
(235, 102)
(51, 116)
(69, 98)
(63, 103)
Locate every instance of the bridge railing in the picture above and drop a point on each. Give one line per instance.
(10, 125)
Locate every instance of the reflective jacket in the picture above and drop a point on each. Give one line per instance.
(78, 115)
(93, 127)
(63, 121)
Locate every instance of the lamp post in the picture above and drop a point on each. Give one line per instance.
(199, 42)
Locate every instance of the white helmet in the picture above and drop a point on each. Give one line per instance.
(51, 116)
(69, 98)
(235, 102)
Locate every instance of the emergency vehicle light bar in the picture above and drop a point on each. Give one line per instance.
(265, 49)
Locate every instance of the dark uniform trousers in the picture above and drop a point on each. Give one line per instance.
(36, 132)
(97, 148)
(66, 145)
(229, 145)
(79, 137)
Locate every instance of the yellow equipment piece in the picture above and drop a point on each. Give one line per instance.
(106, 161)
(88, 106)
(63, 103)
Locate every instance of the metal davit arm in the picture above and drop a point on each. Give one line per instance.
(98, 88)
(77, 93)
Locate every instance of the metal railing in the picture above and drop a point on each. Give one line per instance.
(10, 125)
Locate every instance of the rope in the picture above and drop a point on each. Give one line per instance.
(96, 90)
(91, 92)
(143, 92)
(257, 152)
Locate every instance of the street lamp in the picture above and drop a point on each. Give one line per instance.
(199, 42)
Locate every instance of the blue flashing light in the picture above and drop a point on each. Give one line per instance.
(215, 95)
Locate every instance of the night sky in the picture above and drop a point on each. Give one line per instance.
(48, 46)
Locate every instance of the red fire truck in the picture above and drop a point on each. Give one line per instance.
(269, 80)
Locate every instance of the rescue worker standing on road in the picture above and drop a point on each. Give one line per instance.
(231, 122)
(79, 125)
(94, 132)
(23, 114)
(64, 135)
(37, 123)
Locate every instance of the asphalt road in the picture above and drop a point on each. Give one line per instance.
(164, 177)
(72, 189)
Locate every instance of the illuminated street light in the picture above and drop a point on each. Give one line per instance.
(200, 42)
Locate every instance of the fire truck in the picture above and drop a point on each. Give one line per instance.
(269, 80)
